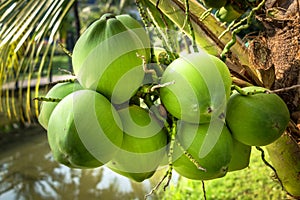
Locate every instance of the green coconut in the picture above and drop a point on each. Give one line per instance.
(258, 119)
(197, 88)
(240, 156)
(59, 91)
(84, 130)
(143, 147)
(192, 137)
(107, 57)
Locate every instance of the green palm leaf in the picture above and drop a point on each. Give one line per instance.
(28, 34)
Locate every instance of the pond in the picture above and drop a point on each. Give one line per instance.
(28, 171)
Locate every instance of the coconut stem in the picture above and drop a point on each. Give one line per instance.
(190, 157)
(161, 29)
(47, 99)
(254, 91)
(189, 23)
(71, 80)
(240, 28)
(161, 85)
(168, 173)
(170, 152)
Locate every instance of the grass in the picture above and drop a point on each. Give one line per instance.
(254, 182)
(60, 61)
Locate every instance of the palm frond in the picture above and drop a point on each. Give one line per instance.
(28, 33)
(207, 32)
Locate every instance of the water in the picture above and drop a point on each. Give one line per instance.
(28, 171)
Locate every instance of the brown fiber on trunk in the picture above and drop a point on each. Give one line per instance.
(275, 53)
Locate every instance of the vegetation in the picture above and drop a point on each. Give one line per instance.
(255, 182)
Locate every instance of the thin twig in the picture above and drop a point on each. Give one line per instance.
(270, 166)
(66, 71)
(203, 189)
(161, 85)
(156, 187)
(285, 89)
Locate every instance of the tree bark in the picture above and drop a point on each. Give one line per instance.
(275, 53)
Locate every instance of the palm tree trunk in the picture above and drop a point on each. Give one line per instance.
(281, 69)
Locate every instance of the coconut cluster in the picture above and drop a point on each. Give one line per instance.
(185, 115)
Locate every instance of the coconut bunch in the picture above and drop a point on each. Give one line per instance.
(186, 115)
